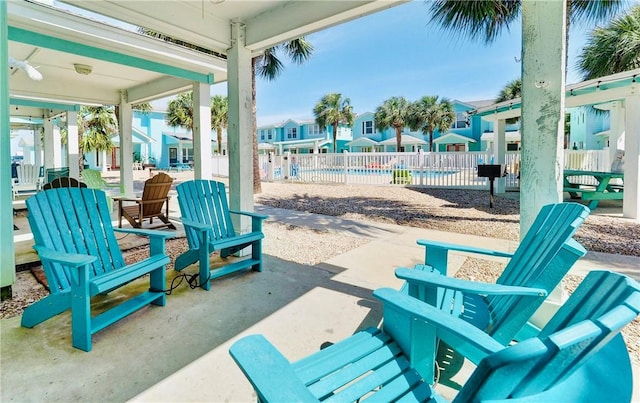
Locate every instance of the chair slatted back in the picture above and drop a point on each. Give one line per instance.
(205, 201)
(27, 174)
(65, 182)
(93, 179)
(531, 265)
(73, 220)
(584, 332)
(53, 173)
(156, 188)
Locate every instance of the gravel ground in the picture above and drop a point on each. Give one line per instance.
(463, 211)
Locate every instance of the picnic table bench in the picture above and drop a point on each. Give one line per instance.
(180, 166)
(602, 190)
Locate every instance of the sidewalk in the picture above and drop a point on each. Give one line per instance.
(180, 352)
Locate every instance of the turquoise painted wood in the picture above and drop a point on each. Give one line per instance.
(582, 359)
(209, 228)
(602, 191)
(81, 258)
(503, 309)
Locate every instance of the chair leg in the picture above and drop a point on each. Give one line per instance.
(81, 313)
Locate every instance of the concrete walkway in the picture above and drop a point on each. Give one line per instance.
(180, 352)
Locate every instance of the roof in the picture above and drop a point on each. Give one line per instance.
(303, 143)
(509, 136)
(362, 142)
(404, 139)
(600, 90)
(453, 138)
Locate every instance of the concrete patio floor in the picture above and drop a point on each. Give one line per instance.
(180, 352)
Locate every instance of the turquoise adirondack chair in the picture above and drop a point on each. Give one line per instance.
(503, 309)
(541, 260)
(584, 358)
(81, 258)
(209, 228)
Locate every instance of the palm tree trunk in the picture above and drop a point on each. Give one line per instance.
(257, 184)
(219, 138)
(335, 137)
(398, 139)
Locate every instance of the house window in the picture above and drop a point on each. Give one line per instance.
(367, 127)
(269, 134)
(460, 122)
(314, 130)
(292, 132)
(261, 134)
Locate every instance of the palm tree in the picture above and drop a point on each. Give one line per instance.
(268, 66)
(511, 90)
(613, 48)
(333, 110)
(487, 18)
(96, 126)
(180, 113)
(394, 112)
(428, 114)
(219, 117)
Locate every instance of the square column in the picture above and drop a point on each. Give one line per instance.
(7, 250)
(125, 125)
(240, 129)
(73, 151)
(631, 202)
(201, 131)
(544, 35)
(499, 150)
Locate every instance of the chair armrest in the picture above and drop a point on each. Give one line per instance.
(402, 313)
(195, 225)
(147, 232)
(65, 259)
(111, 185)
(462, 248)
(127, 198)
(250, 214)
(435, 280)
(270, 373)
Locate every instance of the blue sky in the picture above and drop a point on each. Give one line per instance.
(396, 52)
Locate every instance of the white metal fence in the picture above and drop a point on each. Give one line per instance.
(435, 169)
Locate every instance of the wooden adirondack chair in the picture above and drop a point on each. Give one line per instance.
(583, 360)
(28, 179)
(155, 196)
(208, 226)
(81, 258)
(51, 174)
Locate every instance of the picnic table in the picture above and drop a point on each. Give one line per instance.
(604, 189)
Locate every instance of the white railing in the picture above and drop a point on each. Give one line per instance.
(435, 169)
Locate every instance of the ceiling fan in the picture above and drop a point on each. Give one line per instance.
(24, 65)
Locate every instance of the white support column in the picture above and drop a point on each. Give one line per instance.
(544, 34)
(631, 202)
(48, 145)
(201, 130)
(125, 124)
(73, 152)
(240, 130)
(616, 130)
(37, 148)
(499, 149)
(57, 143)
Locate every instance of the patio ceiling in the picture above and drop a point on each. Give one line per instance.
(207, 22)
(145, 68)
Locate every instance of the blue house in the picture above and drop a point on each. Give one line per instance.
(589, 128)
(301, 136)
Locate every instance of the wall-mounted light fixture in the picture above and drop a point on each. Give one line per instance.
(83, 69)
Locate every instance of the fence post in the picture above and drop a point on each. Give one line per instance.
(286, 165)
(421, 165)
(270, 166)
(346, 167)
